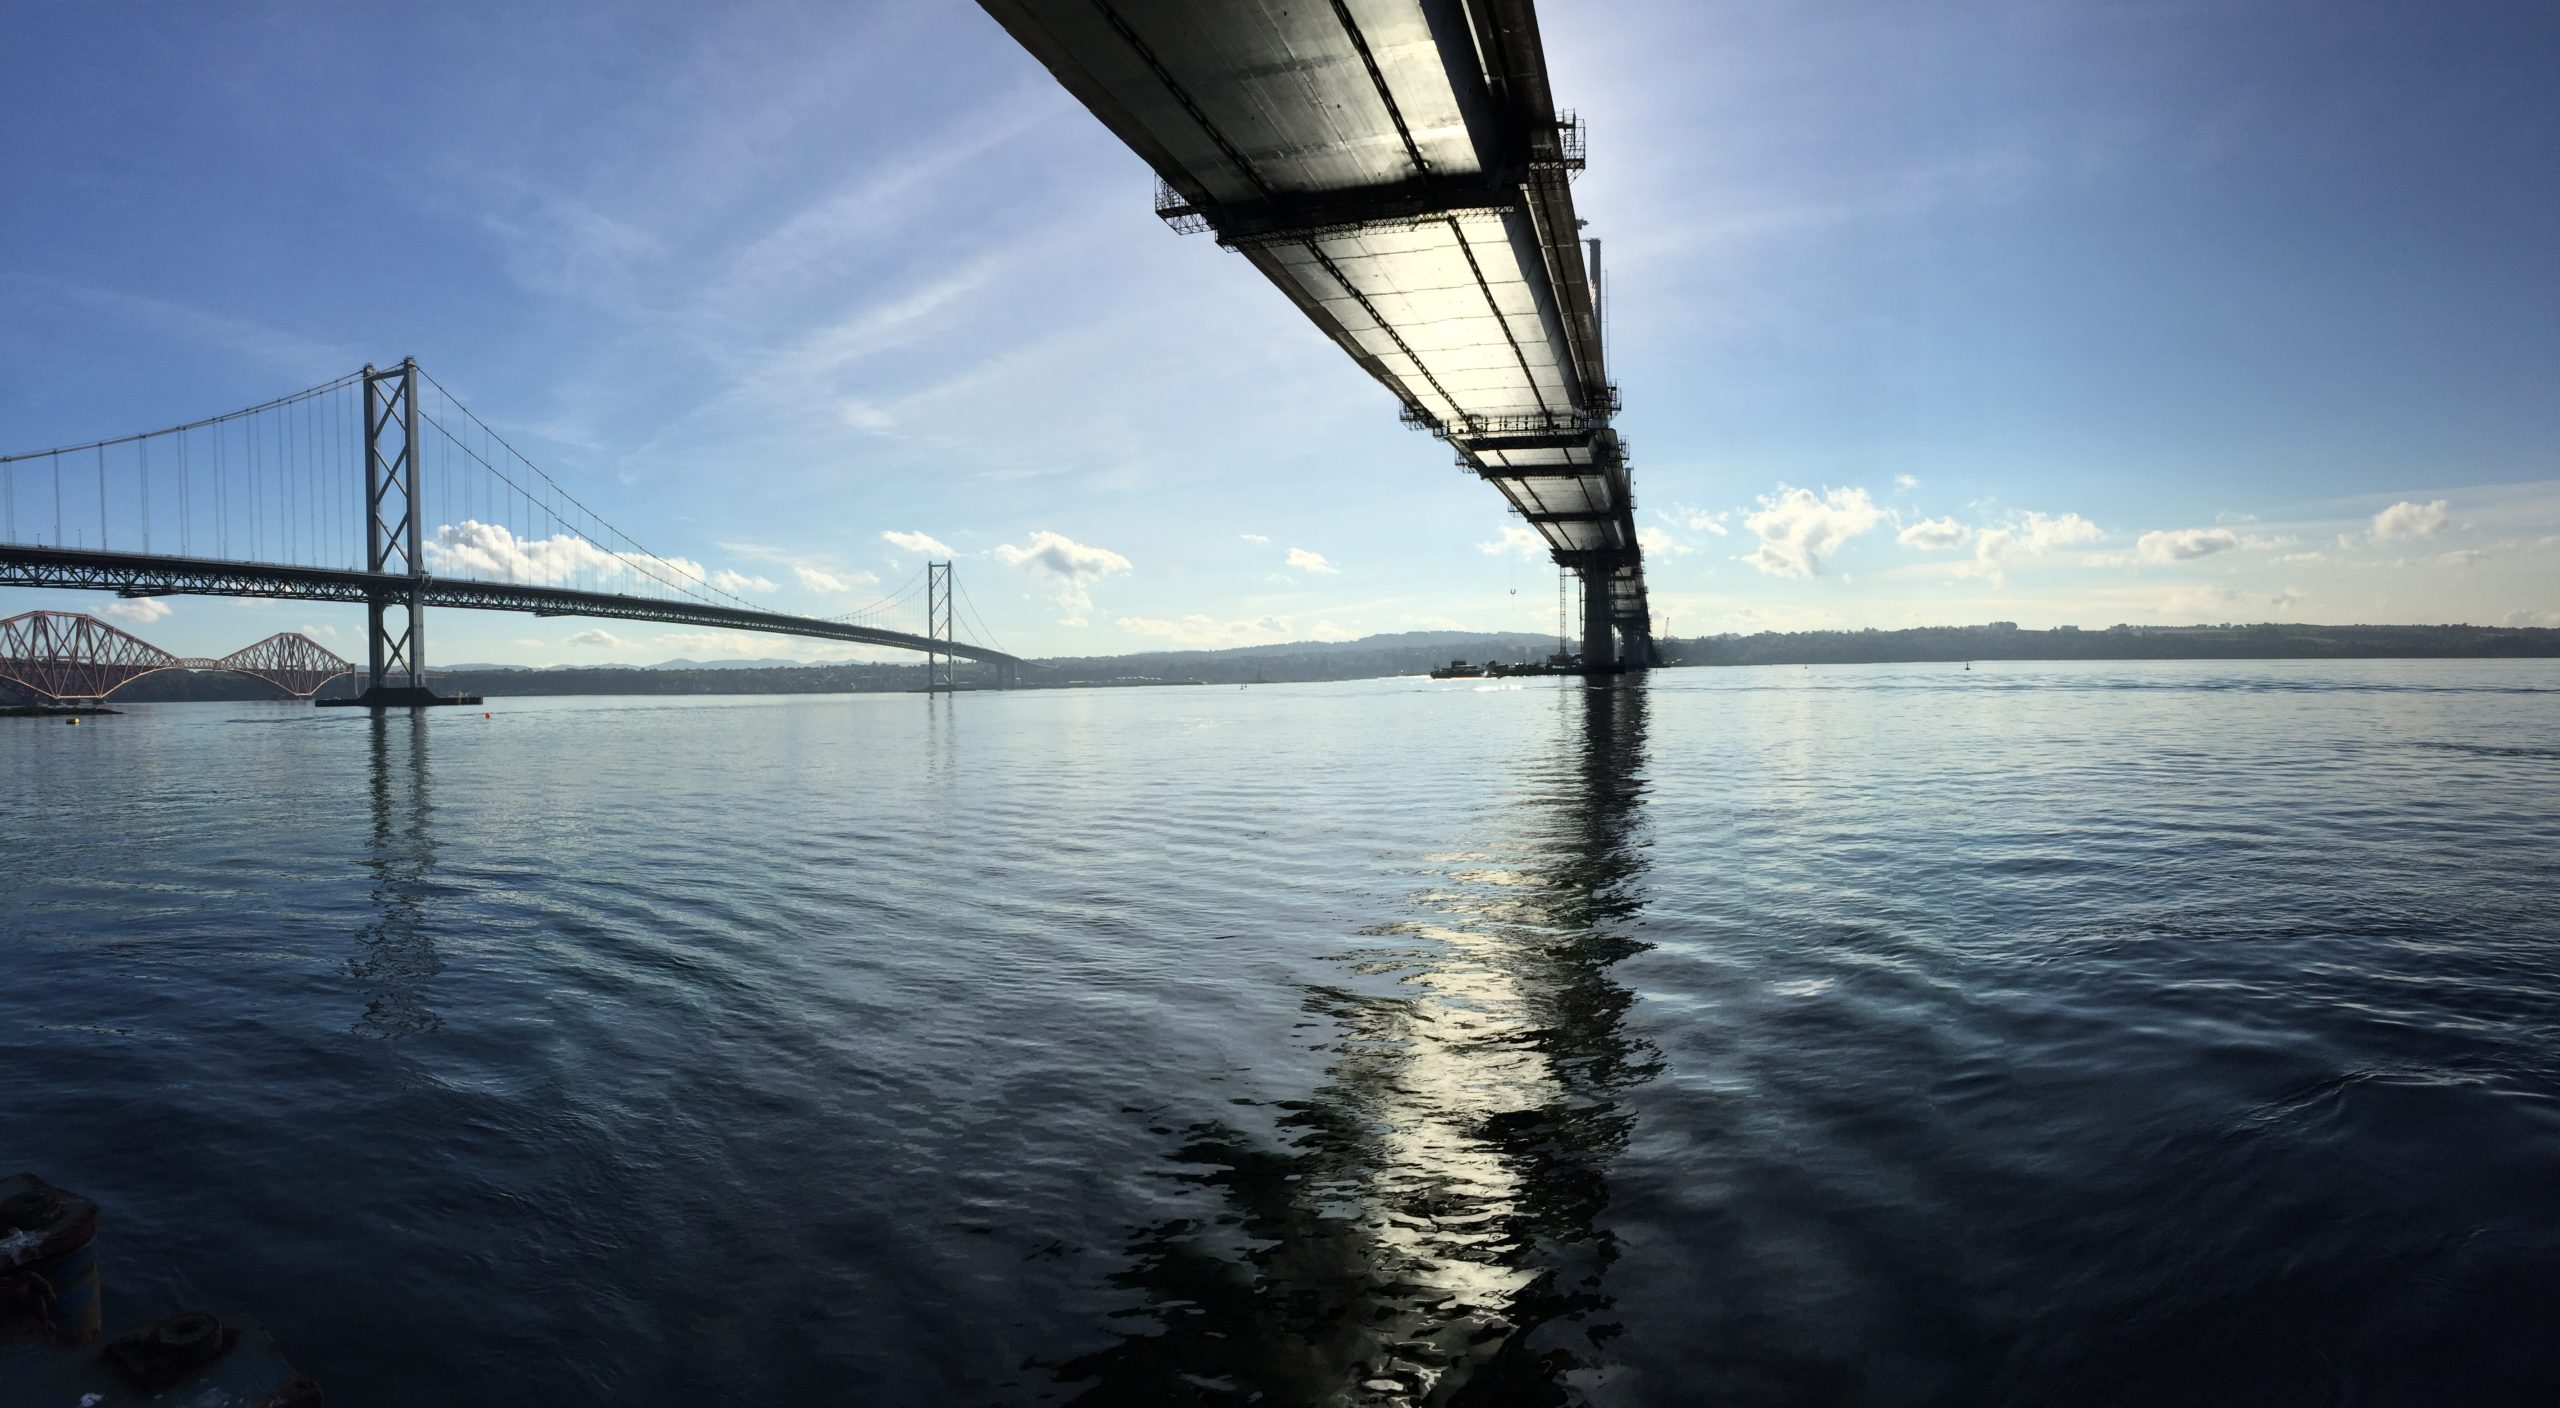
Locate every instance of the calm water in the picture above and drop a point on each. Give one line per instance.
(2040, 1035)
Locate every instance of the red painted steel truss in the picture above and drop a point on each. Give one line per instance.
(65, 655)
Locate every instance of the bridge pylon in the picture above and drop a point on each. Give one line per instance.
(396, 658)
(938, 626)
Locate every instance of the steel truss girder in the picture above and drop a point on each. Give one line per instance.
(70, 655)
(140, 574)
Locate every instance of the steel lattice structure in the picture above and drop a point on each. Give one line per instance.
(65, 655)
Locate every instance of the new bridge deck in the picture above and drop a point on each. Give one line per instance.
(1398, 169)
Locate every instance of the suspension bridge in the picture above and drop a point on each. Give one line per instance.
(1399, 170)
(327, 495)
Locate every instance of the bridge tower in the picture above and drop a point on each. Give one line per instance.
(396, 659)
(937, 627)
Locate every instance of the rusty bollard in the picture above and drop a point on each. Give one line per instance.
(49, 1259)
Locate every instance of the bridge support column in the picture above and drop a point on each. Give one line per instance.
(1639, 652)
(938, 627)
(1599, 636)
(396, 657)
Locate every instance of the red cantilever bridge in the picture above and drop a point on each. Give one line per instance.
(63, 655)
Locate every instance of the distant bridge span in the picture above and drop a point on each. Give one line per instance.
(323, 496)
(140, 575)
(1399, 170)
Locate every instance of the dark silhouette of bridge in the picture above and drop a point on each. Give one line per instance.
(1398, 168)
(325, 496)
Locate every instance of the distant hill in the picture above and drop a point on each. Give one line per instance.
(2003, 640)
(1412, 652)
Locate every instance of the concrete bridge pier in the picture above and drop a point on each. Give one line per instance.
(1638, 650)
(1599, 631)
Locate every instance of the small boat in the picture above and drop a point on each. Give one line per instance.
(1459, 670)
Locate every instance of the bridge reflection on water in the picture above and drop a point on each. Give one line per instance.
(1430, 1232)
(396, 957)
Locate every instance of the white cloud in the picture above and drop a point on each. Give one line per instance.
(492, 552)
(2295, 558)
(2184, 544)
(2029, 535)
(2528, 617)
(921, 544)
(1906, 481)
(1515, 541)
(596, 638)
(818, 579)
(2463, 557)
(1198, 632)
(1934, 534)
(321, 632)
(138, 611)
(1253, 537)
(1797, 529)
(2409, 520)
(1306, 561)
(1659, 540)
(1068, 568)
(1078, 622)
(739, 583)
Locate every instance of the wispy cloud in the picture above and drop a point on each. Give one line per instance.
(820, 580)
(292, 353)
(1697, 520)
(818, 236)
(1307, 560)
(1200, 632)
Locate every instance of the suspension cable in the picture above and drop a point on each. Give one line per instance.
(599, 519)
(991, 641)
(191, 425)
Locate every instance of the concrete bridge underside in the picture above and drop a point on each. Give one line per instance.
(1399, 170)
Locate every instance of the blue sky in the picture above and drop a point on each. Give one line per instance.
(2044, 312)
